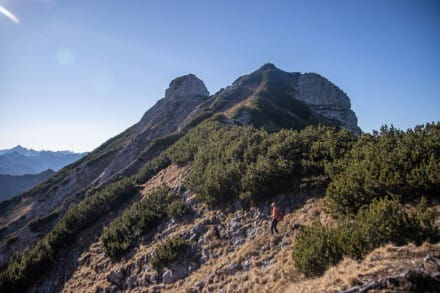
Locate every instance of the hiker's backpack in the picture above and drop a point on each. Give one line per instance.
(280, 215)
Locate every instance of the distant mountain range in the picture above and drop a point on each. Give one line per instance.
(21, 161)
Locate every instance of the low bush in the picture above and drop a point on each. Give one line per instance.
(316, 249)
(144, 216)
(388, 163)
(177, 209)
(169, 251)
(383, 221)
(124, 232)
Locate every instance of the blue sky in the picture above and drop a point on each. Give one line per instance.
(75, 73)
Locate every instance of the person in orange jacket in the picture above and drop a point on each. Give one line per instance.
(276, 217)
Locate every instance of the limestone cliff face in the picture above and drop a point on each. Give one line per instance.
(326, 99)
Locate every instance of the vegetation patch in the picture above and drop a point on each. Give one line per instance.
(231, 162)
(385, 220)
(24, 268)
(169, 251)
(38, 225)
(387, 163)
(143, 217)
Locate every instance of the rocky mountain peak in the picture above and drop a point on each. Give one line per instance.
(267, 66)
(186, 86)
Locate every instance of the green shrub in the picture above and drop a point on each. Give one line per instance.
(126, 230)
(169, 251)
(388, 163)
(177, 209)
(151, 168)
(316, 249)
(39, 224)
(383, 221)
(241, 162)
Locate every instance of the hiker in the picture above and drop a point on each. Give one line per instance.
(276, 217)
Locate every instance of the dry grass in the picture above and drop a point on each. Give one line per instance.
(384, 261)
(269, 257)
(173, 176)
(264, 262)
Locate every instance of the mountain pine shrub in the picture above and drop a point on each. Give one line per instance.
(143, 217)
(177, 209)
(389, 163)
(169, 251)
(384, 220)
(316, 249)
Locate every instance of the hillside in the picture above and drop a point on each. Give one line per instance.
(233, 250)
(181, 200)
(13, 185)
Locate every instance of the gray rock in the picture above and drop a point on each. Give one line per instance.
(168, 277)
(233, 268)
(153, 277)
(246, 265)
(158, 288)
(199, 228)
(144, 280)
(238, 242)
(131, 282)
(194, 237)
(117, 277)
(185, 87)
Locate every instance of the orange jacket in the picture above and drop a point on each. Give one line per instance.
(276, 214)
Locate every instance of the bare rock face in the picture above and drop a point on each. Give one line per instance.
(186, 87)
(325, 98)
(182, 96)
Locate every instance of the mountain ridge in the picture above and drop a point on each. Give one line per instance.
(264, 98)
(21, 161)
(124, 154)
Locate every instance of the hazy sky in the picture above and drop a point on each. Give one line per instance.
(74, 73)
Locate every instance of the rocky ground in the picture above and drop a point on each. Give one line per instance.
(232, 250)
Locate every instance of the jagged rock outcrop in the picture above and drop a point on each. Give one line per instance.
(326, 99)
(182, 96)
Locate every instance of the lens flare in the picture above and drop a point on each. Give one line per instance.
(9, 15)
(65, 56)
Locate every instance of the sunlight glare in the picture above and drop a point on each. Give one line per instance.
(9, 15)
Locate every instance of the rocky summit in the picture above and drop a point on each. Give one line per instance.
(180, 201)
